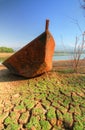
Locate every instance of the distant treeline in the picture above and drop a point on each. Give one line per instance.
(6, 49)
(66, 53)
(60, 53)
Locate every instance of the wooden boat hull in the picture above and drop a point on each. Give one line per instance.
(33, 59)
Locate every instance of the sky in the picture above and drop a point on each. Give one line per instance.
(21, 21)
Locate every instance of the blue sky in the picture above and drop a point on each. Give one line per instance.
(23, 20)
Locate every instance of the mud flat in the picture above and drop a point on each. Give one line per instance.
(52, 101)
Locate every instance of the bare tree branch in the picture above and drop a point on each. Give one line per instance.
(78, 50)
(82, 3)
(75, 21)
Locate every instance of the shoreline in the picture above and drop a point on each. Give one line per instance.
(54, 61)
(4, 54)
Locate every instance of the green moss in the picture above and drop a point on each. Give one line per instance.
(72, 109)
(3, 116)
(13, 126)
(82, 110)
(68, 120)
(78, 126)
(20, 108)
(46, 103)
(79, 122)
(42, 95)
(59, 115)
(8, 120)
(62, 109)
(29, 103)
(45, 125)
(37, 111)
(53, 97)
(42, 84)
(24, 117)
(66, 102)
(57, 128)
(77, 110)
(13, 116)
(51, 113)
(34, 122)
(55, 104)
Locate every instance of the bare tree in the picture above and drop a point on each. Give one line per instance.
(83, 5)
(78, 50)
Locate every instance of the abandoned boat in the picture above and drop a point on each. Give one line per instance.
(35, 58)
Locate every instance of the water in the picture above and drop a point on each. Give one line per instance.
(61, 58)
(66, 57)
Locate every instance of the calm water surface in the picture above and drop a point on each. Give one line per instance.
(66, 57)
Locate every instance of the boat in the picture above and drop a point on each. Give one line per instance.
(35, 58)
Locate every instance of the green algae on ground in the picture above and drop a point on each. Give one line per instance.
(33, 123)
(45, 103)
(45, 125)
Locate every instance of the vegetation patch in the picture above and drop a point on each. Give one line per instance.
(6, 49)
(52, 101)
(45, 125)
(33, 123)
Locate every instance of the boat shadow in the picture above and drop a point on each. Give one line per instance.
(7, 76)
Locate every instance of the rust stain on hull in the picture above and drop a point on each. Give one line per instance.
(35, 58)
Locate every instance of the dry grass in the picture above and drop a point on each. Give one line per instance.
(5, 54)
(68, 65)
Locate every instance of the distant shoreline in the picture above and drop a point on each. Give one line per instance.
(4, 54)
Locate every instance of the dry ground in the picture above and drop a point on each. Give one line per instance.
(53, 101)
(5, 54)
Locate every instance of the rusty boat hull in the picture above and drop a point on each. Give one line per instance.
(33, 59)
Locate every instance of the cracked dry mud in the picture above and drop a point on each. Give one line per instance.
(50, 102)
